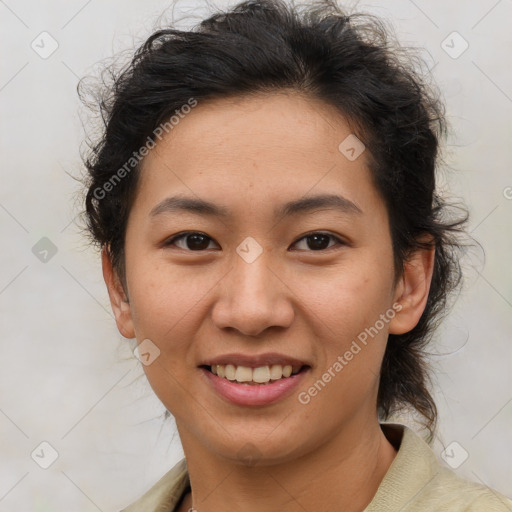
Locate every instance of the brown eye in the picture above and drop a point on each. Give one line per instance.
(318, 241)
(193, 241)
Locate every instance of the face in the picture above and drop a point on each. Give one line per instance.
(288, 264)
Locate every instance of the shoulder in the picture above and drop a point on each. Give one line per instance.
(166, 493)
(451, 492)
(416, 481)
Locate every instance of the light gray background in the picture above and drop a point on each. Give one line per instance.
(68, 377)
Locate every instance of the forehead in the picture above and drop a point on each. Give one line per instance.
(266, 146)
(249, 124)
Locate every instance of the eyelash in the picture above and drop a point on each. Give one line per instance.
(183, 235)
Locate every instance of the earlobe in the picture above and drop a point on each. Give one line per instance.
(413, 289)
(118, 299)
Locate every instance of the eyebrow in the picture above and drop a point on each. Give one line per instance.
(303, 205)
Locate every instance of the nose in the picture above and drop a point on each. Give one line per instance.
(253, 297)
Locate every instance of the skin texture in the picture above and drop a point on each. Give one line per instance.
(249, 155)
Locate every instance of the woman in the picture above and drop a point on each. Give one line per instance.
(264, 197)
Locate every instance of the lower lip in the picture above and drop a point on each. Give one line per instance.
(254, 394)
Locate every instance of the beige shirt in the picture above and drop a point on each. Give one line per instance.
(414, 482)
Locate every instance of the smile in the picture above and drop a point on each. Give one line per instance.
(254, 386)
(254, 376)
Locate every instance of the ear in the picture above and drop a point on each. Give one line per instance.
(117, 295)
(412, 290)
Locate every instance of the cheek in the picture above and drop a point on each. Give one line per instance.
(346, 300)
(161, 293)
(167, 311)
(166, 308)
(345, 310)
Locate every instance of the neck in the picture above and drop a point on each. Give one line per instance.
(341, 474)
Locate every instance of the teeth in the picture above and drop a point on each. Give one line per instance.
(260, 375)
(276, 371)
(243, 374)
(229, 371)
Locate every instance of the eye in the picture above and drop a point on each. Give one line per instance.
(193, 241)
(197, 241)
(318, 241)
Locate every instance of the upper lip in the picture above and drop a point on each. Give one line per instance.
(255, 361)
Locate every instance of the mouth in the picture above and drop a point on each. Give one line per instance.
(259, 375)
(251, 381)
